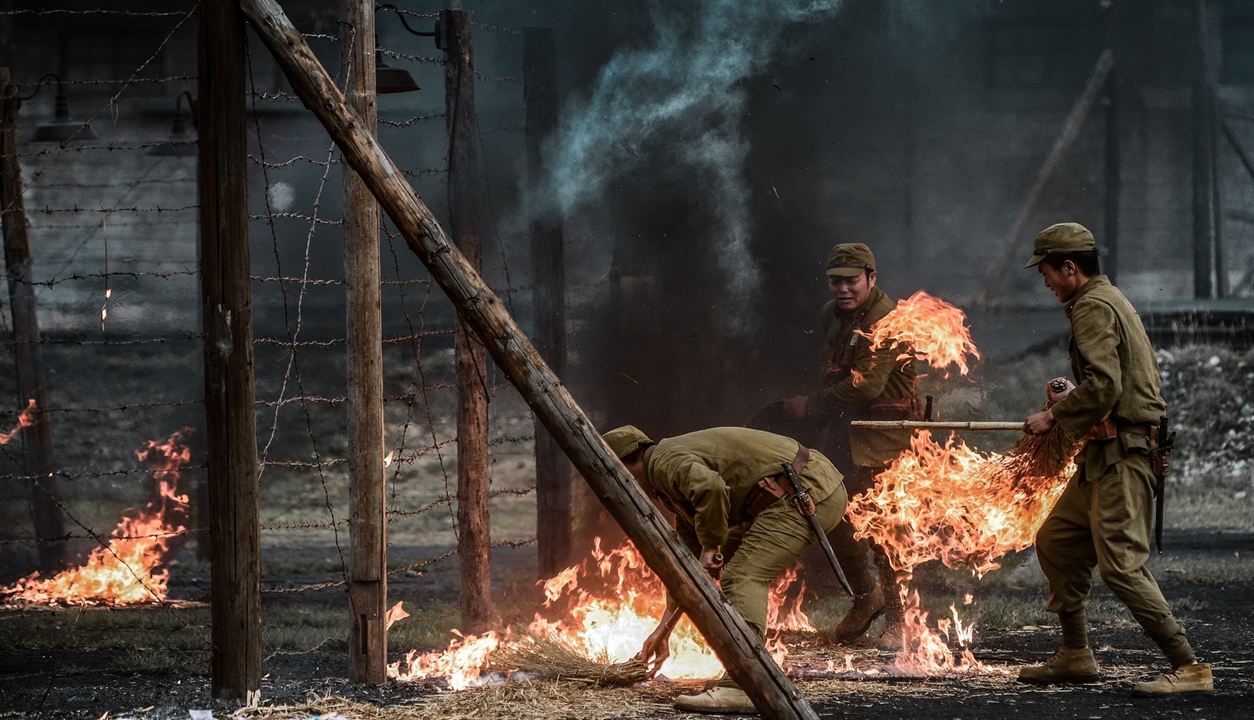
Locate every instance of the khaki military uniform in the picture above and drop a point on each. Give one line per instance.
(704, 478)
(861, 384)
(1105, 514)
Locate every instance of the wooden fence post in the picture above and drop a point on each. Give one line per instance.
(474, 537)
(548, 292)
(31, 383)
(742, 653)
(368, 514)
(235, 655)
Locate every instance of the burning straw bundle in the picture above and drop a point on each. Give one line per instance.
(548, 656)
(1039, 457)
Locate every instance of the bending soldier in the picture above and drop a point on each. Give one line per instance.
(724, 487)
(1104, 515)
(859, 384)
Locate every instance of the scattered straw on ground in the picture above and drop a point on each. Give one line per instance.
(511, 701)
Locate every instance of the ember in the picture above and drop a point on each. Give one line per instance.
(129, 571)
(24, 420)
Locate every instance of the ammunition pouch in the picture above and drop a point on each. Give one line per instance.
(1108, 429)
(771, 488)
(766, 493)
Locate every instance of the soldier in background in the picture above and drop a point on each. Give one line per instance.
(725, 489)
(859, 384)
(1103, 518)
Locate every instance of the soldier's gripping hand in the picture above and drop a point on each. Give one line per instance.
(657, 647)
(1057, 389)
(1039, 423)
(712, 561)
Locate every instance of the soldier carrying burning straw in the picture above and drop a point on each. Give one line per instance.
(1104, 516)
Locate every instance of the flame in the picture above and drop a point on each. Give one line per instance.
(394, 615)
(605, 607)
(934, 332)
(959, 506)
(130, 569)
(24, 420)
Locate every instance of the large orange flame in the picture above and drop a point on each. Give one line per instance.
(129, 570)
(24, 420)
(605, 607)
(956, 505)
(928, 329)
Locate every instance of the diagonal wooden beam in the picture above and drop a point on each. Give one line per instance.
(744, 656)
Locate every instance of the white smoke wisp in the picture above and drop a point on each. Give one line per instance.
(677, 103)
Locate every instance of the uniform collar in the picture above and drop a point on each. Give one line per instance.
(857, 314)
(1094, 282)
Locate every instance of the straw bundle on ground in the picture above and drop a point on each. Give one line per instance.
(548, 656)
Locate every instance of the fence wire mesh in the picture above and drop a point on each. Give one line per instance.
(111, 213)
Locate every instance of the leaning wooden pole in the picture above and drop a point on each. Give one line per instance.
(744, 656)
(548, 292)
(235, 656)
(474, 536)
(37, 439)
(1071, 127)
(367, 590)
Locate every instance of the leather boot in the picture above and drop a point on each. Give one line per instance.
(1193, 678)
(894, 614)
(1068, 665)
(866, 608)
(717, 699)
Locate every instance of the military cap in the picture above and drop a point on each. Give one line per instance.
(1067, 237)
(626, 440)
(850, 260)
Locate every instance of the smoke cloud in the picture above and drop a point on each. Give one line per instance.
(677, 103)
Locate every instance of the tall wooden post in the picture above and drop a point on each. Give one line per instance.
(368, 518)
(474, 538)
(1203, 154)
(1114, 179)
(36, 439)
(741, 651)
(548, 281)
(235, 657)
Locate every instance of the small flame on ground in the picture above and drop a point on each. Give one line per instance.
(605, 607)
(24, 420)
(934, 332)
(129, 570)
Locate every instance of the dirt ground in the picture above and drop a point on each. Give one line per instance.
(152, 662)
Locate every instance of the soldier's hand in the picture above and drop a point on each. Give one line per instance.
(797, 405)
(1053, 395)
(712, 561)
(657, 648)
(1039, 423)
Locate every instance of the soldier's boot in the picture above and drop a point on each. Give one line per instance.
(718, 699)
(866, 608)
(892, 636)
(1193, 678)
(1068, 665)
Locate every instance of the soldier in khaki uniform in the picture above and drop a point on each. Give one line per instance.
(724, 487)
(1104, 516)
(860, 384)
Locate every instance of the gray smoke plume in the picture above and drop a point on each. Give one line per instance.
(677, 103)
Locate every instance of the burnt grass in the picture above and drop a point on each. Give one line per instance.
(152, 662)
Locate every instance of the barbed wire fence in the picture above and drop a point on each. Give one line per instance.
(112, 216)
